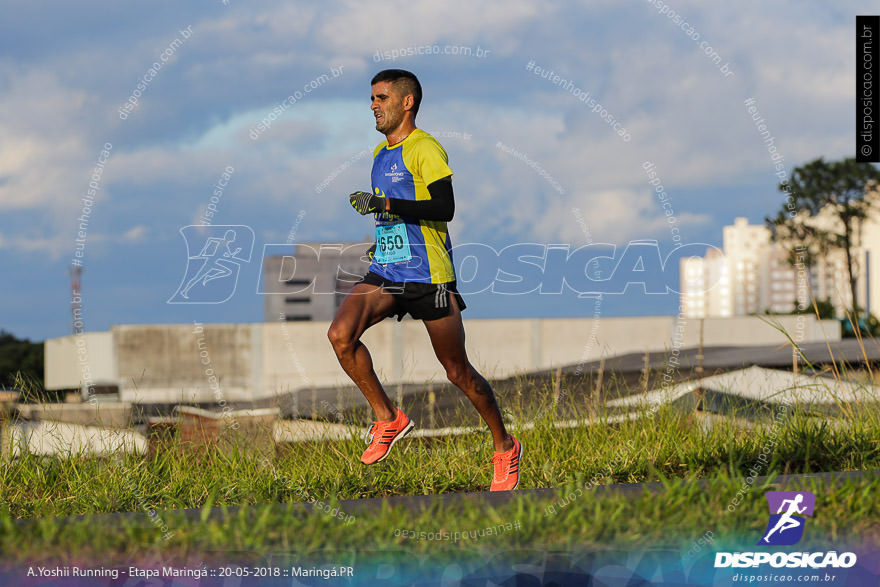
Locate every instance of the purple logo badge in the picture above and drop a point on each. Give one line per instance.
(787, 511)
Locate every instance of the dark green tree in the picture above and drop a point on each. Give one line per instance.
(19, 358)
(845, 192)
(823, 308)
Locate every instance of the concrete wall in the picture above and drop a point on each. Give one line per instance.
(606, 337)
(72, 360)
(721, 331)
(185, 362)
(240, 362)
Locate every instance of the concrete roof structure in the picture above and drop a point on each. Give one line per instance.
(756, 389)
(51, 438)
(848, 350)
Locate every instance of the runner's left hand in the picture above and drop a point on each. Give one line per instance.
(371, 252)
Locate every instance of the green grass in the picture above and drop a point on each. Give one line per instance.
(675, 518)
(669, 445)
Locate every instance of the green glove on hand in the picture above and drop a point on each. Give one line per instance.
(371, 252)
(367, 203)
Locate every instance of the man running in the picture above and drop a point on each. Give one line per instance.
(411, 272)
(787, 521)
(215, 264)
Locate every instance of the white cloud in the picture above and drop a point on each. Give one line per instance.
(134, 234)
(44, 154)
(681, 112)
(610, 216)
(363, 28)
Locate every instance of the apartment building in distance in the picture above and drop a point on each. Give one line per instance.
(310, 283)
(752, 274)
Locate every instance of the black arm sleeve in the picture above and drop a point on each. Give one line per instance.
(440, 207)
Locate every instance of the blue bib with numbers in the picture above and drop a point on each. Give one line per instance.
(392, 244)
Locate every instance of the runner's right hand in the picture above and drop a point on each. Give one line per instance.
(366, 203)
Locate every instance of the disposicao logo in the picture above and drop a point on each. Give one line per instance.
(786, 525)
(785, 528)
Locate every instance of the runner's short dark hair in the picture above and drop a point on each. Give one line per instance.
(405, 81)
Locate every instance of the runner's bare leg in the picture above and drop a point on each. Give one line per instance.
(447, 338)
(365, 306)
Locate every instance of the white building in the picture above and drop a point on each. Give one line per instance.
(753, 275)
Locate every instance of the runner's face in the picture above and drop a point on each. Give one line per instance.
(387, 106)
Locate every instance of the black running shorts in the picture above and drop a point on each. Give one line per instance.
(423, 301)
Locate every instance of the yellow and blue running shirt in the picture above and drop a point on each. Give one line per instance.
(409, 249)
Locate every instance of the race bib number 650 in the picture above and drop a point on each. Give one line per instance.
(392, 244)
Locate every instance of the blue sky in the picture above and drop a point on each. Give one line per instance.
(67, 70)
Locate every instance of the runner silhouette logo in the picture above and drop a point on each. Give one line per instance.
(214, 257)
(787, 511)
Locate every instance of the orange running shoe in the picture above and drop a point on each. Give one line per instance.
(506, 476)
(382, 435)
